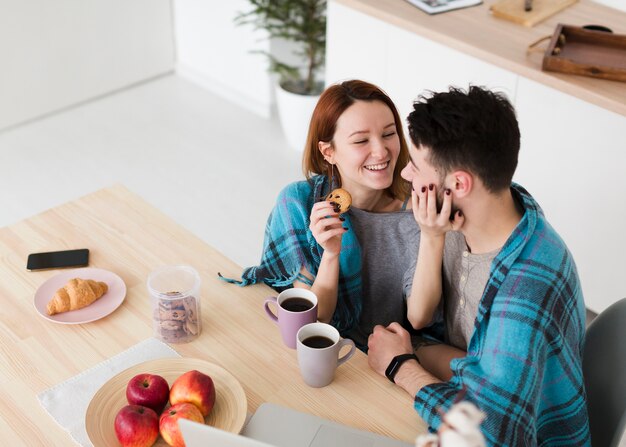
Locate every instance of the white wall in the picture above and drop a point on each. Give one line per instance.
(58, 53)
(216, 54)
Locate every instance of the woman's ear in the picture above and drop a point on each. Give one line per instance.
(463, 183)
(327, 150)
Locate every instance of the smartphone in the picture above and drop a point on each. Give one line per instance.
(58, 259)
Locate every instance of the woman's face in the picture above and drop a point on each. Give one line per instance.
(366, 146)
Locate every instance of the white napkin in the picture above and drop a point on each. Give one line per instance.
(67, 401)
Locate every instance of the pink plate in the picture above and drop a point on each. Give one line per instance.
(99, 309)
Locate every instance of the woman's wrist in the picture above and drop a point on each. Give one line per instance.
(330, 256)
(433, 237)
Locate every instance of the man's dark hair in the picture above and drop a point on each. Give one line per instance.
(475, 130)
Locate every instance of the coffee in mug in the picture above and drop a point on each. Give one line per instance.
(296, 304)
(319, 346)
(318, 342)
(295, 308)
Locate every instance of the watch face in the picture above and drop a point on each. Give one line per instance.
(395, 364)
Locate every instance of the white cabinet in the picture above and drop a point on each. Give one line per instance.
(617, 4)
(573, 160)
(573, 153)
(416, 64)
(400, 62)
(356, 46)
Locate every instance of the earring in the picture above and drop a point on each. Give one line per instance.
(332, 175)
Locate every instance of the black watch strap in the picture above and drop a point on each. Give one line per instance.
(395, 364)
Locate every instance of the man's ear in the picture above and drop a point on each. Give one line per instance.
(327, 150)
(463, 183)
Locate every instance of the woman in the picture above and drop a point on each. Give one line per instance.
(353, 262)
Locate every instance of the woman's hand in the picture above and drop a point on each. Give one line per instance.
(425, 212)
(327, 227)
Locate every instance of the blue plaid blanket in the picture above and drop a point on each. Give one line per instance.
(524, 361)
(289, 246)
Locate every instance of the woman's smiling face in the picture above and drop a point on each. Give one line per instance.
(365, 146)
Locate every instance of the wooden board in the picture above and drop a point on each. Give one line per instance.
(584, 52)
(513, 10)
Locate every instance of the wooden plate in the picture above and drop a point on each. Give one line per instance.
(229, 412)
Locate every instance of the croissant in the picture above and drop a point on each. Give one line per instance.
(76, 294)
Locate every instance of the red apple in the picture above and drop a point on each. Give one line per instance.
(136, 426)
(168, 423)
(149, 390)
(196, 388)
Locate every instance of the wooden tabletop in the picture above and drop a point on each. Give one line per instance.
(474, 31)
(131, 238)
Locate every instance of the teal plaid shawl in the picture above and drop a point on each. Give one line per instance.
(524, 361)
(289, 246)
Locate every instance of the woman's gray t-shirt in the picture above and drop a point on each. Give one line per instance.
(389, 244)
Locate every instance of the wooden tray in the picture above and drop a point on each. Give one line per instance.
(585, 52)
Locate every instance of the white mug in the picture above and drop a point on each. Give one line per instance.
(318, 346)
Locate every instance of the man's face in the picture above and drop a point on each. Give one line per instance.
(420, 173)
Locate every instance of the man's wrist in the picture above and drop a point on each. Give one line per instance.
(407, 377)
(396, 363)
(412, 377)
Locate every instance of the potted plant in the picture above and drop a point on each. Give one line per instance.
(303, 23)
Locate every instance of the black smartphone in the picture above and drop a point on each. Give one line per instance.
(58, 259)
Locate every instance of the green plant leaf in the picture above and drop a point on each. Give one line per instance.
(299, 21)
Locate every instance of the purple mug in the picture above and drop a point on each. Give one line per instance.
(296, 307)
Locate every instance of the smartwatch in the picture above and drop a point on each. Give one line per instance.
(396, 363)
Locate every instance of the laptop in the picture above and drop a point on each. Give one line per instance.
(202, 435)
(277, 426)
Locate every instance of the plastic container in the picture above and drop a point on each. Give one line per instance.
(175, 298)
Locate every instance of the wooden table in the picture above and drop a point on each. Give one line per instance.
(131, 238)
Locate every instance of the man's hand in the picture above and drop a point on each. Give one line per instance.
(386, 343)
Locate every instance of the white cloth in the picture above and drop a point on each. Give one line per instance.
(67, 401)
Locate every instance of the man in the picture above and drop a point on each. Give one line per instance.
(523, 366)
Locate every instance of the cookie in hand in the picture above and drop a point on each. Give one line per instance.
(342, 198)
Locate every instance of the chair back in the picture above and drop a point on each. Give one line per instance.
(604, 370)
